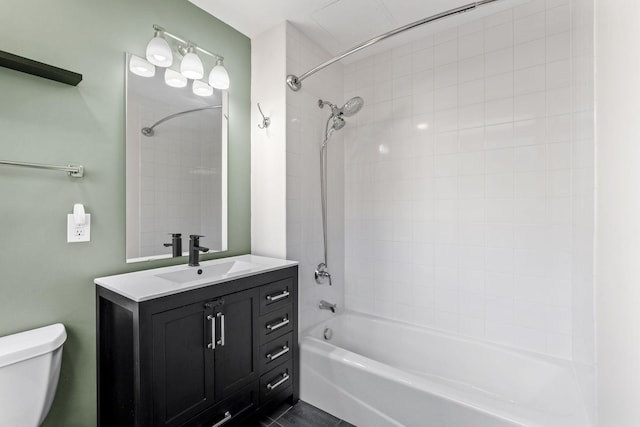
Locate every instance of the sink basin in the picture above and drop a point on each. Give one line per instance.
(145, 285)
(209, 272)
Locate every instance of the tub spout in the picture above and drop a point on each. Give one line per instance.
(324, 305)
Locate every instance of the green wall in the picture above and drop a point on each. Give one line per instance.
(44, 279)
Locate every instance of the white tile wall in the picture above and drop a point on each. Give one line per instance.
(579, 70)
(461, 197)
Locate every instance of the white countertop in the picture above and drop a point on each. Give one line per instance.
(147, 284)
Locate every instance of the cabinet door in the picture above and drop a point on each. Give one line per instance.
(237, 354)
(183, 363)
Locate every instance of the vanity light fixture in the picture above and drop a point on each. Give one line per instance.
(219, 77)
(141, 67)
(160, 53)
(200, 88)
(174, 78)
(191, 66)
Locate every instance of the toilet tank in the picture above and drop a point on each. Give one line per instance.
(29, 371)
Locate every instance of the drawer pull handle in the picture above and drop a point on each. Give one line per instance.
(282, 380)
(285, 350)
(227, 417)
(274, 298)
(284, 322)
(212, 345)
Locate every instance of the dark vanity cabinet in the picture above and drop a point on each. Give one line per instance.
(213, 356)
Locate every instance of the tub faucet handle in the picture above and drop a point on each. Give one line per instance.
(322, 273)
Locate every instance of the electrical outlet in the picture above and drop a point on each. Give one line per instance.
(78, 232)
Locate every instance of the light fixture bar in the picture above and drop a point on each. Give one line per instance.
(157, 27)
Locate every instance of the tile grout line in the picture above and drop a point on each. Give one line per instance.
(280, 416)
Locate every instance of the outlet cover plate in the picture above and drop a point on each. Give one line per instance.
(78, 233)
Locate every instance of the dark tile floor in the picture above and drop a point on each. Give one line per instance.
(301, 415)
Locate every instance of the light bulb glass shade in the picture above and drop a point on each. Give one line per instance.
(218, 77)
(159, 52)
(200, 88)
(174, 78)
(141, 67)
(191, 66)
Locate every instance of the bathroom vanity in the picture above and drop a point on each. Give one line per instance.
(211, 345)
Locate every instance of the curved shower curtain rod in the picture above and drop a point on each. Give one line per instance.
(295, 83)
(148, 131)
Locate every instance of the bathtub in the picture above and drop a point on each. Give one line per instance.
(374, 372)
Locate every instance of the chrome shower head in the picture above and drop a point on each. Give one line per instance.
(352, 106)
(349, 108)
(338, 123)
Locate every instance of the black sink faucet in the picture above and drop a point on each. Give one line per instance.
(195, 249)
(176, 244)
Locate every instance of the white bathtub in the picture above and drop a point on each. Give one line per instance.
(377, 373)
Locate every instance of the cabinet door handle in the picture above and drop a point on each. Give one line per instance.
(227, 417)
(221, 316)
(285, 350)
(274, 298)
(284, 379)
(284, 322)
(212, 345)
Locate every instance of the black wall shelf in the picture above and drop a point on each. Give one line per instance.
(39, 69)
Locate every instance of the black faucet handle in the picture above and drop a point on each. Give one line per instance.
(176, 244)
(174, 238)
(194, 249)
(195, 239)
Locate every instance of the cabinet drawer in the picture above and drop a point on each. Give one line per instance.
(276, 295)
(275, 352)
(276, 381)
(236, 407)
(275, 324)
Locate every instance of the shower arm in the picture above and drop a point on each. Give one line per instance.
(173, 116)
(295, 83)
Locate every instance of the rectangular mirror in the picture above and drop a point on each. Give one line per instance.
(176, 166)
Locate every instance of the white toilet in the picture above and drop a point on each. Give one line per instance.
(29, 372)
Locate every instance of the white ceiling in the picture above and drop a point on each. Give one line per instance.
(338, 25)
